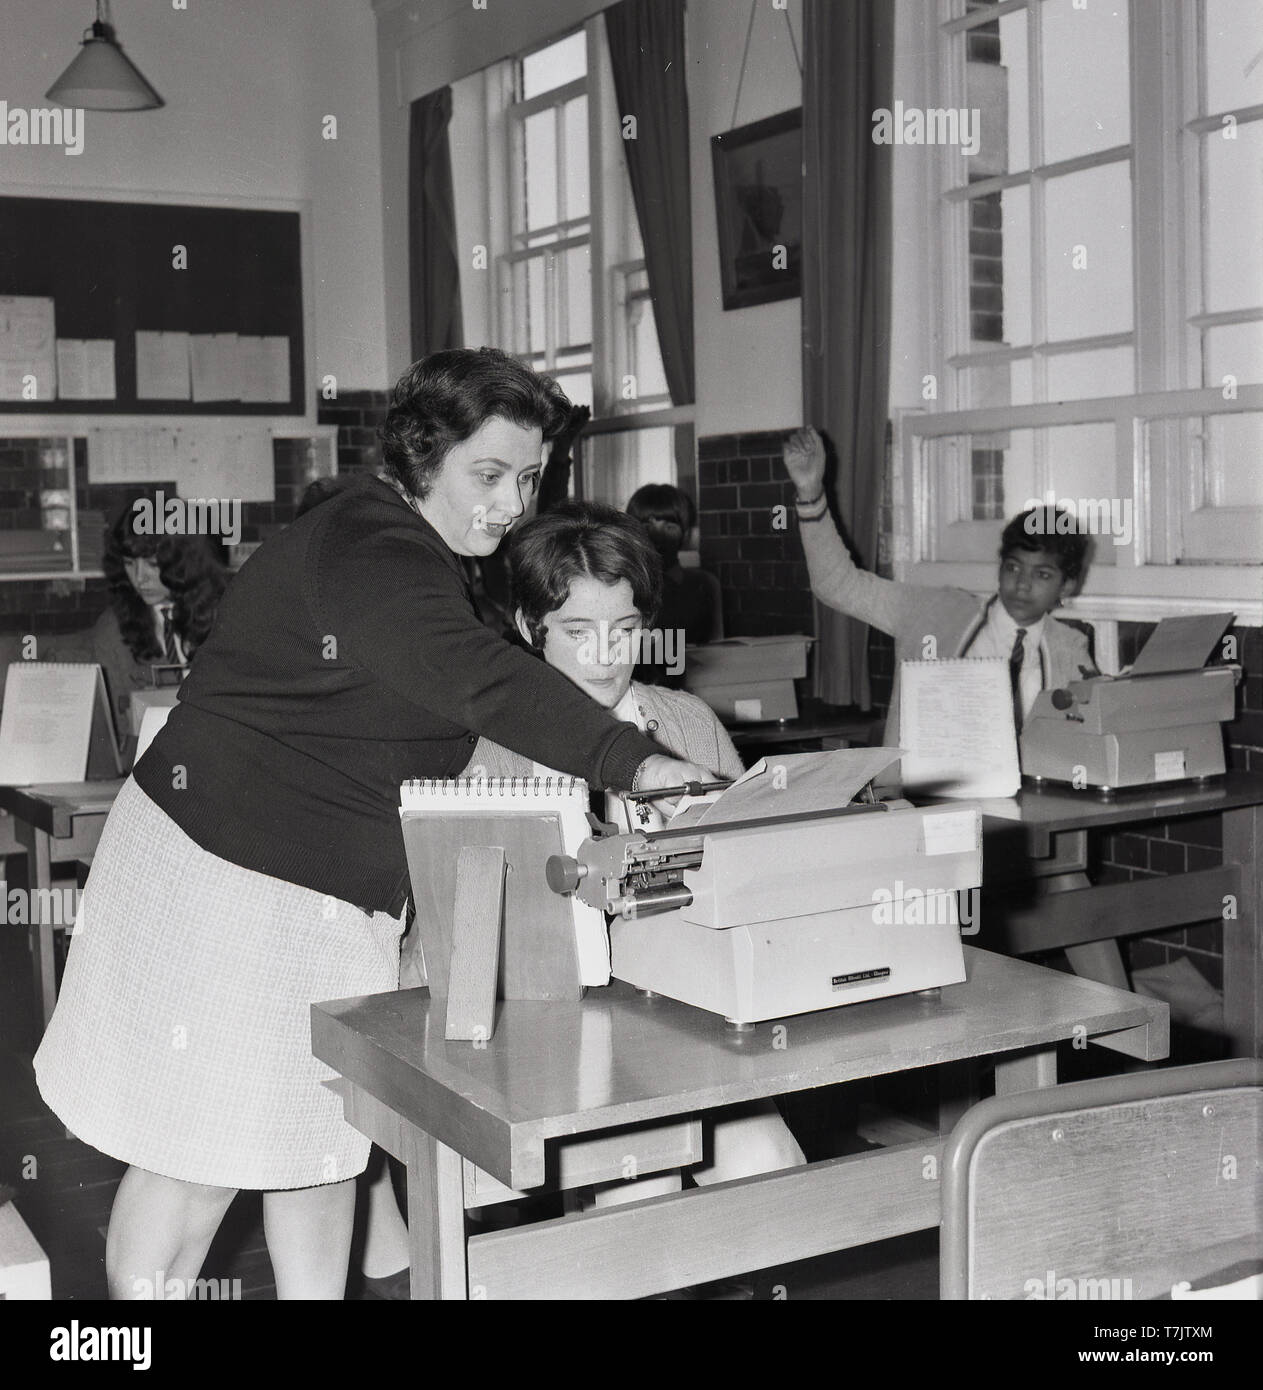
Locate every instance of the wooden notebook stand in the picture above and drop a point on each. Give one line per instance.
(484, 912)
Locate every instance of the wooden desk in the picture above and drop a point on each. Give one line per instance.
(616, 1058)
(54, 822)
(1035, 852)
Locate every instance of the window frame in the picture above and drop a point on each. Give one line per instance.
(608, 201)
(1151, 425)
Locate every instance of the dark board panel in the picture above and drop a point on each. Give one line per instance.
(108, 268)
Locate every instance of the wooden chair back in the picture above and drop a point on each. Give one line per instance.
(1118, 1188)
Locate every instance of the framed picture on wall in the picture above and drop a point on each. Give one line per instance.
(759, 208)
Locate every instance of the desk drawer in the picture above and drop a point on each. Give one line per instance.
(612, 1156)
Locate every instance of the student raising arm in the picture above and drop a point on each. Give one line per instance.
(1038, 568)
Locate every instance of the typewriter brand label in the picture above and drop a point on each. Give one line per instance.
(859, 977)
(1168, 765)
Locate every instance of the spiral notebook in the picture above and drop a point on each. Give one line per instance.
(956, 721)
(553, 946)
(56, 725)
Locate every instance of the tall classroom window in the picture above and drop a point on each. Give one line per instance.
(1101, 279)
(572, 294)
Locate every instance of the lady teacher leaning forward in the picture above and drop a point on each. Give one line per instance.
(253, 863)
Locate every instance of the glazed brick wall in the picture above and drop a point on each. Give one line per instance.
(761, 570)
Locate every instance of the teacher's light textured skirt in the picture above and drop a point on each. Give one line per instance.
(181, 1040)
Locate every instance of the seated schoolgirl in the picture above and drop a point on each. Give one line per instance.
(586, 580)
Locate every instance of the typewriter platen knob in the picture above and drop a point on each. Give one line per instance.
(563, 873)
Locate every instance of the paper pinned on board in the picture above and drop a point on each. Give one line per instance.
(85, 369)
(28, 355)
(264, 364)
(794, 783)
(216, 366)
(162, 367)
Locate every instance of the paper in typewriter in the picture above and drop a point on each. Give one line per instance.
(566, 797)
(782, 786)
(956, 721)
(1181, 644)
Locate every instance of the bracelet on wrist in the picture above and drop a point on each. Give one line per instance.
(635, 786)
(809, 501)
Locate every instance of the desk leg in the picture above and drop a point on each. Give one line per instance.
(1243, 938)
(957, 1092)
(436, 1219)
(1026, 1072)
(39, 878)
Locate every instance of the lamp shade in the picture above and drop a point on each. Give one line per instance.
(103, 78)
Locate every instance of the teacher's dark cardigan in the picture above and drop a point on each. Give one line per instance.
(346, 658)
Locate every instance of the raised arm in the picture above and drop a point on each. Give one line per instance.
(835, 578)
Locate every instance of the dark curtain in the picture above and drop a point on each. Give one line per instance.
(646, 39)
(434, 268)
(848, 74)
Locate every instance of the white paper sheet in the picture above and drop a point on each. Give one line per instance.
(46, 723)
(794, 782)
(956, 720)
(85, 369)
(264, 365)
(1181, 644)
(162, 367)
(28, 348)
(228, 462)
(216, 366)
(134, 456)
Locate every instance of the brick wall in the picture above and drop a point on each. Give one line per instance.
(357, 415)
(1193, 843)
(59, 606)
(761, 569)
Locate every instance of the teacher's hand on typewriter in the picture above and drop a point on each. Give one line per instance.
(659, 772)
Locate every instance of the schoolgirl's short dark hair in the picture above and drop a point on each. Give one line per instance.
(1037, 529)
(444, 398)
(662, 502)
(548, 553)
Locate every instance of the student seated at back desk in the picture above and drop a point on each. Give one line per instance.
(1038, 569)
(164, 593)
(582, 571)
(692, 602)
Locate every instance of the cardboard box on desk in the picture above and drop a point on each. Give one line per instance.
(748, 678)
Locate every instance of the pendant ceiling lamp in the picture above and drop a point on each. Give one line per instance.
(102, 77)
